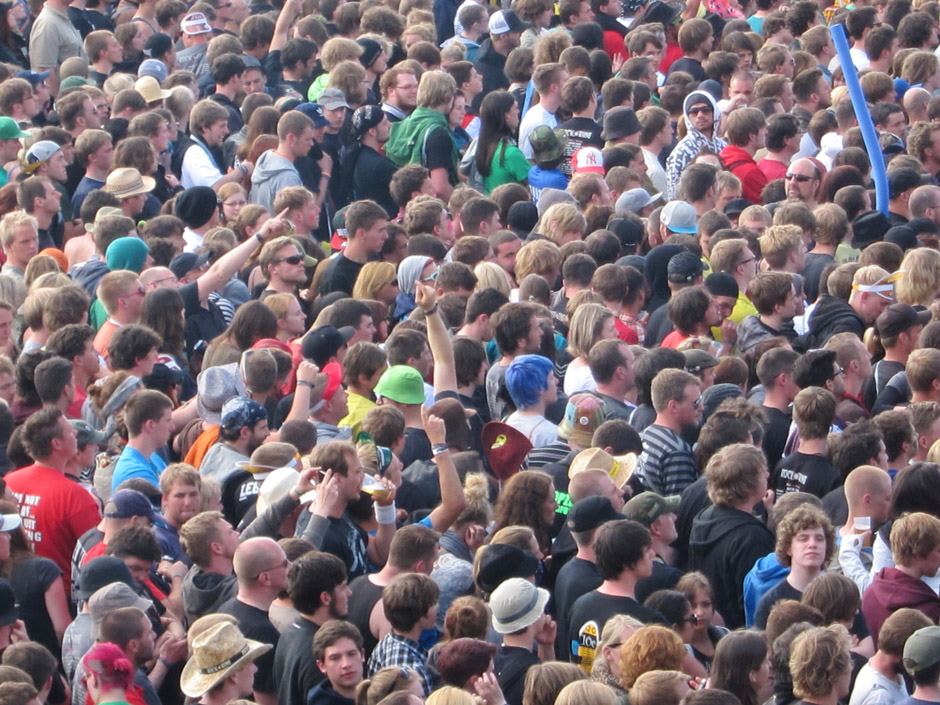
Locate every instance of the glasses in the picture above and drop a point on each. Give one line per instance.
(234, 203)
(799, 178)
(282, 564)
(696, 111)
(293, 259)
(140, 292)
(698, 403)
(752, 258)
(837, 373)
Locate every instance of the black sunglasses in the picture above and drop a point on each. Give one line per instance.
(293, 259)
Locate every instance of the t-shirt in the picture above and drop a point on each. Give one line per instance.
(776, 433)
(873, 688)
(666, 465)
(362, 601)
(781, 591)
(417, 446)
(509, 165)
(295, 669)
(340, 275)
(577, 577)
(349, 542)
(812, 271)
(582, 132)
(55, 511)
(799, 472)
(537, 115)
(511, 664)
(201, 323)
(440, 153)
(540, 179)
(588, 617)
(30, 579)
(254, 624)
(132, 463)
(539, 430)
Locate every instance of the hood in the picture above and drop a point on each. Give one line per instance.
(89, 274)
(830, 309)
(715, 523)
(489, 55)
(894, 590)
(409, 271)
(204, 592)
(657, 264)
(270, 164)
(768, 569)
(696, 97)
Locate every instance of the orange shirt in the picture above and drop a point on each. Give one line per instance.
(103, 338)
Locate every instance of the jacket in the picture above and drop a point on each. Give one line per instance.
(765, 574)
(692, 144)
(725, 544)
(614, 32)
(204, 592)
(742, 165)
(890, 591)
(406, 144)
(833, 315)
(273, 173)
(491, 64)
(445, 12)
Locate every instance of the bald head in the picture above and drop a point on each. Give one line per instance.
(866, 481)
(922, 198)
(254, 556)
(158, 277)
(590, 483)
(915, 104)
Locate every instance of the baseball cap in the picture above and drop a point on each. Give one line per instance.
(113, 597)
(185, 262)
(9, 130)
(332, 98)
(898, 318)
(922, 649)
(736, 206)
(504, 448)
(647, 507)
(500, 562)
(722, 284)
(697, 360)
(40, 153)
(684, 268)
(239, 412)
(401, 383)
(619, 122)
(679, 217)
(588, 160)
(903, 179)
(157, 44)
(34, 77)
(584, 413)
(504, 21)
(9, 522)
(334, 379)
(589, 513)
(125, 504)
(547, 144)
(322, 343)
(153, 68)
(629, 231)
(635, 200)
(312, 111)
(195, 23)
(101, 571)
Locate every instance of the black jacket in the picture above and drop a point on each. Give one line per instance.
(725, 543)
(833, 315)
(491, 64)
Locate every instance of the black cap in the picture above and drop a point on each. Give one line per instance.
(684, 268)
(500, 562)
(736, 206)
(869, 227)
(522, 218)
(162, 377)
(185, 262)
(903, 179)
(721, 284)
(157, 45)
(99, 572)
(662, 12)
(195, 205)
(898, 318)
(320, 344)
(629, 231)
(902, 236)
(591, 512)
(620, 122)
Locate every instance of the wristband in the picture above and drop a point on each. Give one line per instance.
(165, 662)
(260, 239)
(439, 449)
(178, 575)
(305, 383)
(385, 515)
(326, 175)
(243, 169)
(432, 311)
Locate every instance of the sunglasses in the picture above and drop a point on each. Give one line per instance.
(799, 178)
(140, 292)
(431, 277)
(293, 259)
(696, 111)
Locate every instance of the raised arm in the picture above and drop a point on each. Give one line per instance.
(445, 373)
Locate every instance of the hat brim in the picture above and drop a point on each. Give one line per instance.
(677, 229)
(143, 604)
(196, 684)
(590, 170)
(10, 522)
(334, 105)
(538, 609)
(148, 185)
(626, 464)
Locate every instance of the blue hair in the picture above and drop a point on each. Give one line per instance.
(527, 378)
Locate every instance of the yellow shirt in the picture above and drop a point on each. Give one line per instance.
(358, 406)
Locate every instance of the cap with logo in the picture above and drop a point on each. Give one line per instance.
(504, 447)
(679, 217)
(157, 45)
(503, 21)
(588, 160)
(314, 112)
(34, 77)
(647, 507)
(697, 360)
(242, 412)
(629, 231)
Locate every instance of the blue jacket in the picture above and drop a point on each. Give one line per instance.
(765, 574)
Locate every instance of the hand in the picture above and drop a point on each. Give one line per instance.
(18, 633)
(433, 426)
(275, 227)
(329, 501)
(488, 688)
(547, 631)
(307, 372)
(172, 181)
(305, 481)
(173, 649)
(475, 536)
(697, 683)
(729, 331)
(425, 297)
(739, 101)
(618, 63)
(390, 498)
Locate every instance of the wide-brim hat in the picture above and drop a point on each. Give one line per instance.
(517, 604)
(217, 652)
(125, 182)
(620, 467)
(149, 87)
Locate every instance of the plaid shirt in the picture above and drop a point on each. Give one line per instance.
(636, 323)
(397, 650)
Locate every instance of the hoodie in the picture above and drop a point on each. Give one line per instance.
(890, 591)
(725, 544)
(692, 144)
(204, 593)
(833, 315)
(273, 173)
(751, 331)
(742, 165)
(765, 574)
(323, 694)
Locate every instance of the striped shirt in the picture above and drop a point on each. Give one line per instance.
(666, 465)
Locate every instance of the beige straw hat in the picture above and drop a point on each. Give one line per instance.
(126, 181)
(217, 652)
(149, 88)
(619, 468)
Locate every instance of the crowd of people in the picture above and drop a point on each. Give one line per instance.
(425, 351)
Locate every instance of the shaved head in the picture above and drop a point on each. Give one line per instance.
(254, 556)
(866, 480)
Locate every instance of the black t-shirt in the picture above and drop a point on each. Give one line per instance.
(511, 664)
(371, 176)
(349, 542)
(440, 153)
(693, 500)
(340, 275)
(664, 577)
(589, 615)
(799, 472)
(882, 372)
(836, 506)
(690, 66)
(254, 624)
(30, 579)
(239, 494)
(582, 132)
(776, 433)
(577, 577)
(781, 591)
(295, 669)
(365, 595)
(658, 326)
(417, 446)
(812, 271)
(201, 323)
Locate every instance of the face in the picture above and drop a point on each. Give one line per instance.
(458, 112)
(534, 340)
(294, 319)
(808, 548)
(802, 181)
(133, 300)
(666, 523)
(837, 383)
(216, 133)
(163, 428)
(365, 331)
(342, 664)
(703, 610)
(763, 679)
(7, 387)
(56, 166)
(145, 648)
(253, 81)
(689, 410)
(25, 245)
(228, 539)
(405, 92)
(429, 273)
(303, 143)
(896, 124)
(374, 238)
(244, 679)
(181, 503)
(702, 116)
(233, 205)
(139, 568)
(506, 254)
(290, 268)
(747, 266)
(608, 329)
(549, 507)
(353, 478)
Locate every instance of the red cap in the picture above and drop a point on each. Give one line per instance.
(588, 160)
(334, 374)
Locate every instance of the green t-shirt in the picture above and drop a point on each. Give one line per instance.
(514, 167)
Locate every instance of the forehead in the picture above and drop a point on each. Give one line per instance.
(803, 167)
(340, 646)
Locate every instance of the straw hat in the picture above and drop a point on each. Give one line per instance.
(619, 468)
(126, 181)
(149, 87)
(217, 653)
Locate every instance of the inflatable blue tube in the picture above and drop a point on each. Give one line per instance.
(879, 173)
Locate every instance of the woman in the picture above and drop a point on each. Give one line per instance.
(13, 45)
(263, 121)
(455, 120)
(606, 666)
(528, 499)
(498, 159)
(109, 675)
(139, 153)
(249, 221)
(491, 276)
(379, 313)
(919, 284)
(163, 312)
(674, 606)
(742, 666)
(377, 281)
(589, 324)
(586, 693)
(132, 44)
(252, 322)
(705, 635)
(37, 583)
(544, 681)
(385, 682)
(412, 270)
(233, 198)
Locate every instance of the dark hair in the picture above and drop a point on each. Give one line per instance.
(162, 313)
(618, 546)
(494, 130)
(129, 344)
(136, 542)
(310, 576)
(51, 378)
(736, 656)
(670, 604)
(469, 358)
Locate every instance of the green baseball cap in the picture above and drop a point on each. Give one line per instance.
(9, 130)
(922, 649)
(401, 383)
(647, 507)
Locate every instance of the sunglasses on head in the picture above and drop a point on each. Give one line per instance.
(293, 259)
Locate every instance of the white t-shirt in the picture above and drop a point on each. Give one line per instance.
(654, 170)
(198, 168)
(872, 688)
(579, 379)
(536, 116)
(539, 430)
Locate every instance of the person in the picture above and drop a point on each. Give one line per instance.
(276, 170)
(531, 382)
(742, 667)
(921, 659)
(498, 159)
(701, 115)
(821, 665)
(337, 648)
(244, 427)
(366, 171)
(367, 231)
(658, 514)
(808, 470)
(880, 679)
(109, 674)
(517, 332)
(222, 665)
(148, 415)
(180, 486)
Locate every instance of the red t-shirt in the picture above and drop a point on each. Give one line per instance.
(625, 332)
(55, 512)
(75, 408)
(673, 339)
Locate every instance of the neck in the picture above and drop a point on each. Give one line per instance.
(741, 281)
(585, 553)
(93, 172)
(814, 446)
(799, 577)
(256, 596)
(226, 90)
(221, 696)
(284, 336)
(356, 251)
(472, 330)
(663, 550)
(145, 10)
(112, 695)
(371, 141)
(623, 586)
(80, 376)
(809, 107)
(885, 665)
(43, 219)
(899, 209)
(831, 699)
(537, 409)
(824, 249)
(219, 564)
(468, 390)
(523, 640)
(925, 396)
(773, 320)
(927, 692)
(345, 692)
(612, 389)
(853, 385)
(669, 422)
(414, 633)
(615, 306)
(360, 390)
(240, 445)
(551, 102)
(783, 157)
(143, 444)
(103, 66)
(54, 461)
(281, 286)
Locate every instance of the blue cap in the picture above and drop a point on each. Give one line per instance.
(153, 67)
(34, 77)
(315, 113)
(239, 412)
(125, 504)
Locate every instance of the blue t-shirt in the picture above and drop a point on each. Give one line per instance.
(547, 178)
(132, 463)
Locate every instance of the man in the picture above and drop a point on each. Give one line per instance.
(611, 363)
(282, 265)
(77, 113)
(693, 311)
(367, 231)
(872, 293)
(316, 585)
(920, 143)
(222, 667)
(774, 297)
(580, 101)
(130, 629)
(54, 40)
(606, 14)
(532, 385)
(775, 373)
(505, 34)
(261, 569)
(104, 53)
(746, 131)
(399, 88)
(74, 343)
(803, 182)
(423, 138)
(517, 332)
(19, 236)
(881, 679)
(303, 210)
(623, 554)
(130, 188)
(548, 80)
(506, 246)
(95, 150)
(149, 424)
(227, 72)
(56, 510)
(39, 197)
(367, 172)
(275, 170)
(901, 185)
(667, 465)
(695, 39)
(54, 383)
(195, 39)
(855, 361)
(518, 614)
(658, 514)
(472, 25)
(180, 487)
(656, 135)
(702, 116)
(915, 546)
(782, 142)
(727, 539)
(735, 257)
(337, 649)
(210, 543)
(198, 161)
(808, 470)
(244, 427)
(122, 296)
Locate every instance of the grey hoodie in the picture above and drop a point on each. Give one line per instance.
(273, 173)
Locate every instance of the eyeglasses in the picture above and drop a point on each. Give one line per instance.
(696, 111)
(234, 203)
(752, 258)
(840, 371)
(698, 403)
(282, 564)
(799, 178)
(140, 292)
(292, 259)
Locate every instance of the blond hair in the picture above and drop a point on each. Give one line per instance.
(538, 257)
(918, 284)
(818, 657)
(585, 329)
(559, 219)
(373, 277)
(491, 276)
(586, 693)
(12, 222)
(913, 536)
